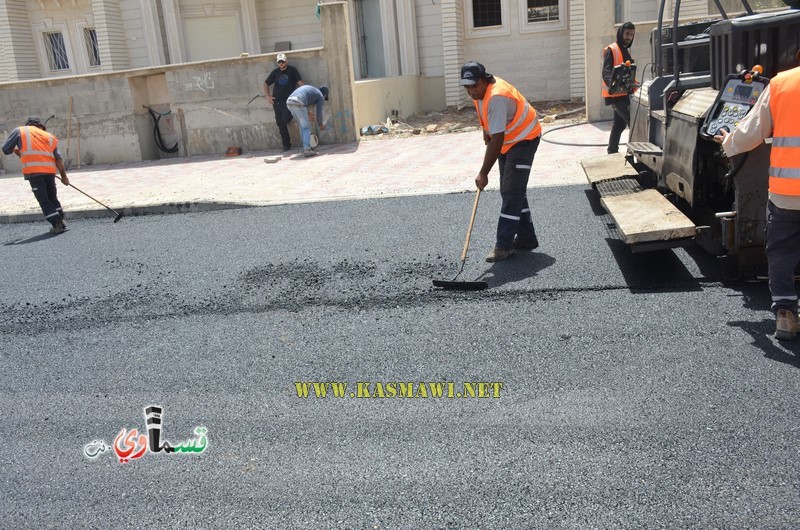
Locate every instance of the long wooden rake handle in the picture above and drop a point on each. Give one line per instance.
(469, 230)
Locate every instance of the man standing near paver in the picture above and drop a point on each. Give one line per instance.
(775, 115)
(615, 54)
(511, 132)
(38, 152)
(285, 78)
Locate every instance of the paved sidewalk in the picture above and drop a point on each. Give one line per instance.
(389, 167)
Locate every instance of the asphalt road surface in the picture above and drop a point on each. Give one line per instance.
(603, 389)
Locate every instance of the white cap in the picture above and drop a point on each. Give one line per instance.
(281, 57)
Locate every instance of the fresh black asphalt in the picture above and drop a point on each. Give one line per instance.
(638, 391)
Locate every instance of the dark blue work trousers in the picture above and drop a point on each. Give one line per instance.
(783, 255)
(622, 119)
(44, 189)
(282, 119)
(515, 214)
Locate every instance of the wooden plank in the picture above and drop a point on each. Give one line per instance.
(606, 167)
(647, 216)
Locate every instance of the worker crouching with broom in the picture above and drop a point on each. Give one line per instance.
(38, 152)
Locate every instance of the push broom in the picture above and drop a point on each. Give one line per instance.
(454, 285)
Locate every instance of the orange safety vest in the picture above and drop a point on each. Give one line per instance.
(37, 149)
(523, 126)
(784, 158)
(614, 47)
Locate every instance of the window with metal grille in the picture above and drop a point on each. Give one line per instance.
(542, 10)
(92, 50)
(486, 13)
(56, 51)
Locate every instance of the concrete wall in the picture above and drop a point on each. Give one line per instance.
(102, 105)
(429, 38)
(432, 93)
(375, 99)
(600, 32)
(207, 104)
(288, 20)
(135, 40)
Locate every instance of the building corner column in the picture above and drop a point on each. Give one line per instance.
(339, 62)
(599, 32)
(453, 50)
(19, 60)
(110, 35)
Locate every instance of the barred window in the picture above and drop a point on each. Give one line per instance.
(92, 49)
(543, 10)
(56, 51)
(486, 13)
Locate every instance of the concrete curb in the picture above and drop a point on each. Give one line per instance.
(132, 211)
(208, 206)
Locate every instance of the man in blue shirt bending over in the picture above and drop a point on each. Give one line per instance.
(298, 103)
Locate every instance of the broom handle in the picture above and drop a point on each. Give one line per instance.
(469, 230)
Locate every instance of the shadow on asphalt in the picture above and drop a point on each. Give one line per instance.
(756, 297)
(34, 239)
(658, 269)
(522, 265)
(787, 352)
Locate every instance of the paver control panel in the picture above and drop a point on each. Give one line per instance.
(733, 102)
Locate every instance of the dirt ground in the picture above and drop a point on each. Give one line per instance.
(464, 120)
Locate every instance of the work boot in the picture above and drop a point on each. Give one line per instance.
(58, 228)
(309, 152)
(525, 243)
(499, 254)
(286, 148)
(785, 325)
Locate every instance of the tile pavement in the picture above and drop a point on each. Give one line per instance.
(374, 167)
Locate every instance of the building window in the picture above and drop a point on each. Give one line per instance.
(486, 13)
(486, 18)
(542, 10)
(92, 49)
(542, 15)
(56, 51)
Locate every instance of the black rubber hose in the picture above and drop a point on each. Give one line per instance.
(574, 144)
(157, 132)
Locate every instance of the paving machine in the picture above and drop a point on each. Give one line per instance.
(680, 189)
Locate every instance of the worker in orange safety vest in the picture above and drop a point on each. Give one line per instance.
(511, 132)
(615, 54)
(775, 115)
(38, 152)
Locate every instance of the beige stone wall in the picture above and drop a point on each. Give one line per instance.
(207, 104)
(375, 99)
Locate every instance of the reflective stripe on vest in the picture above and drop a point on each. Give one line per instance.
(784, 158)
(523, 126)
(614, 47)
(36, 153)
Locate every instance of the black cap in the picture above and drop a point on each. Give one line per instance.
(35, 120)
(324, 91)
(471, 72)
